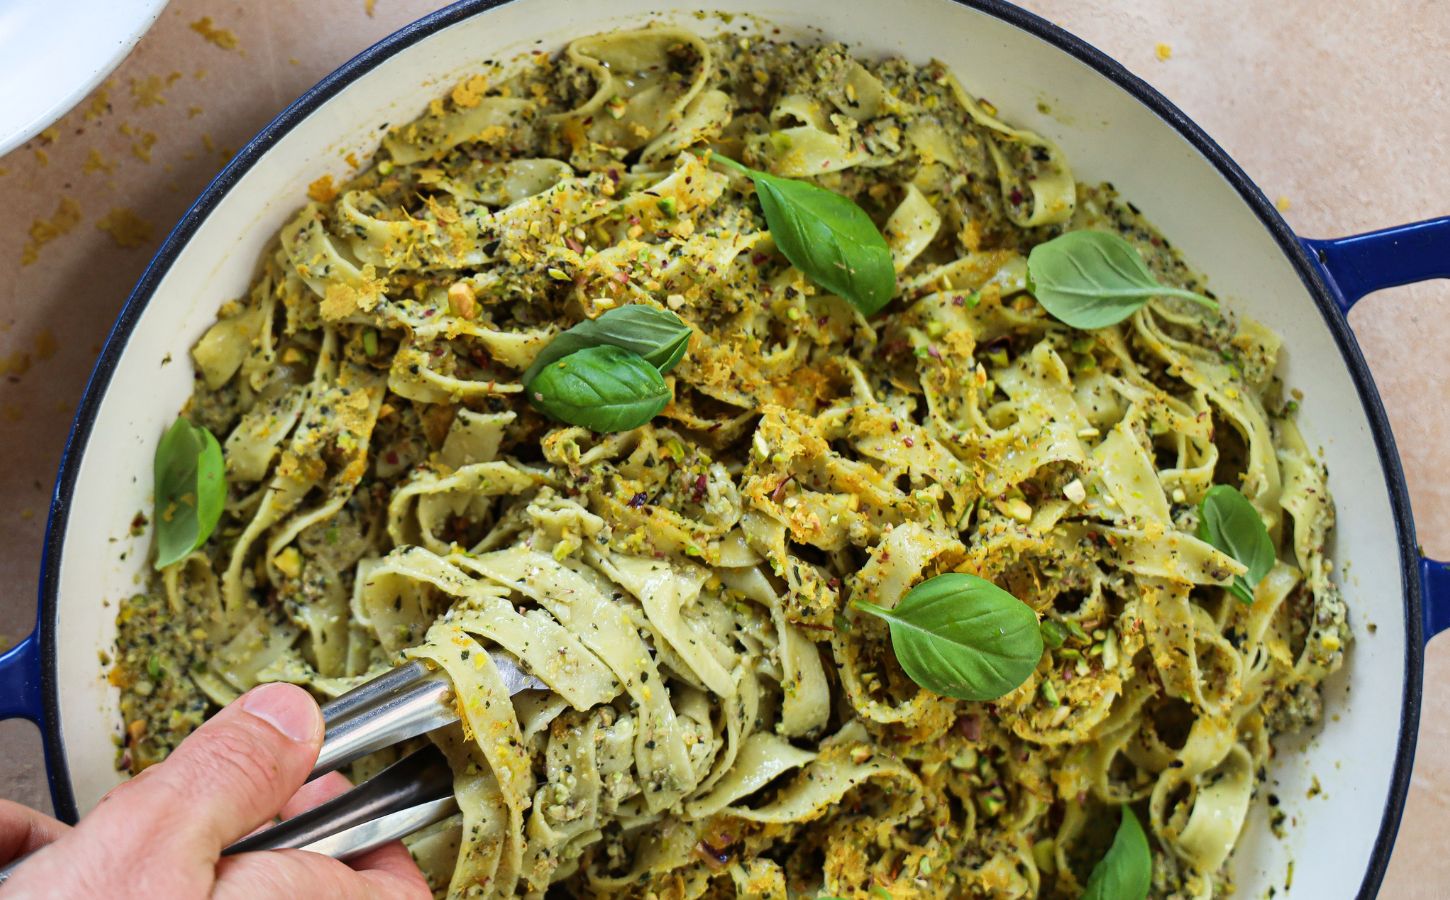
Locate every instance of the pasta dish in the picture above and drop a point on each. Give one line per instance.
(594, 365)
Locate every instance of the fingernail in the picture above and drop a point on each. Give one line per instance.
(286, 708)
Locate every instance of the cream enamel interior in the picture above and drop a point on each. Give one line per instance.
(1106, 134)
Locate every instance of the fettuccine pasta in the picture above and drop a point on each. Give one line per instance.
(719, 720)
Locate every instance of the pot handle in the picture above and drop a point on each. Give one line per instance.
(1365, 263)
(1435, 579)
(20, 681)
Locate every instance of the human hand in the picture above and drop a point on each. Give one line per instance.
(160, 834)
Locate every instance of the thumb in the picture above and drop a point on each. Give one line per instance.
(227, 778)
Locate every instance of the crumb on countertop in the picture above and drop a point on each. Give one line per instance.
(221, 37)
(1282, 203)
(1163, 51)
(126, 228)
(148, 91)
(15, 365)
(45, 344)
(100, 102)
(95, 162)
(42, 231)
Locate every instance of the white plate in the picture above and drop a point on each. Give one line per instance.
(52, 54)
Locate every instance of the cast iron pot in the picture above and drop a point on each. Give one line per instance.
(1116, 129)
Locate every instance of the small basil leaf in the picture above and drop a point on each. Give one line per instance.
(827, 237)
(1228, 521)
(1093, 279)
(962, 636)
(602, 388)
(1126, 872)
(190, 489)
(658, 335)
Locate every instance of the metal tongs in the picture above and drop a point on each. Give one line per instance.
(412, 793)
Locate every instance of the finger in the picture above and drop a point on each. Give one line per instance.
(315, 793)
(296, 873)
(393, 857)
(23, 830)
(229, 776)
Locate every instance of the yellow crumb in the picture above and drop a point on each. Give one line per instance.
(207, 142)
(193, 111)
(15, 365)
(493, 134)
(468, 94)
(292, 61)
(49, 135)
(1282, 203)
(1163, 51)
(322, 190)
(42, 231)
(351, 158)
(99, 105)
(45, 344)
(214, 35)
(95, 162)
(289, 562)
(147, 91)
(4, 171)
(42, 157)
(141, 149)
(369, 7)
(126, 228)
(199, 74)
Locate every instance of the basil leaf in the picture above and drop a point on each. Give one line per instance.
(190, 489)
(827, 237)
(1126, 872)
(1228, 521)
(602, 388)
(1093, 279)
(658, 335)
(962, 636)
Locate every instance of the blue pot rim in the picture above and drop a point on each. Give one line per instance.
(1308, 269)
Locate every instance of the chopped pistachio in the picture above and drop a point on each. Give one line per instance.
(1049, 693)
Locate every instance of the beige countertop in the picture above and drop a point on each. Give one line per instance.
(1341, 117)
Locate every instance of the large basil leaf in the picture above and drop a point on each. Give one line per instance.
(827, 237)
(658, 335)
(602, 388)
(1093, 279)
(1228, 521)
(190, 490)
(1126, 872)
(962, 636)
